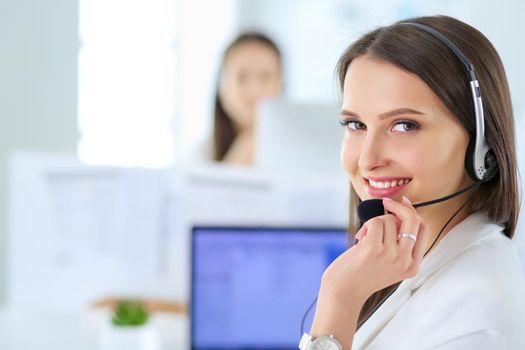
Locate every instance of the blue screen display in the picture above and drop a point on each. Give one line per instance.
(251, 287)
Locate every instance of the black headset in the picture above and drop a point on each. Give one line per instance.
(480, 161)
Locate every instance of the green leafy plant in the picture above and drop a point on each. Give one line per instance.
(130, 313)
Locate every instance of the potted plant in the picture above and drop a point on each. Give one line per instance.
(129, 329)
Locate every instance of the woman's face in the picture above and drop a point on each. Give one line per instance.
(251, 72)
(400, 139)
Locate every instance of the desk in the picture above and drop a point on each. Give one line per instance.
(47, 330)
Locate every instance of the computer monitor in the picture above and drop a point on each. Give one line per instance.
(251, 286)
(298, 138)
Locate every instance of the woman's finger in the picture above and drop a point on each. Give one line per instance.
(390, 232)
(361, 233)
(410, 223)
(374, 232)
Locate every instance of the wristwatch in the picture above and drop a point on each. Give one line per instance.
(325, 342)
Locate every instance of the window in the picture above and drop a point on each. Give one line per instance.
(127, 91)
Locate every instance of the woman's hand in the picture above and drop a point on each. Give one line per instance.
(382, 256)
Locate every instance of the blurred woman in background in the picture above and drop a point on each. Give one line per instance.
(251, 71)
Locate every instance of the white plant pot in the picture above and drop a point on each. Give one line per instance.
(143, 337)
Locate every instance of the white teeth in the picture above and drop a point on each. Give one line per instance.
(389, 184)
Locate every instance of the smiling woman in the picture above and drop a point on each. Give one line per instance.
(445, 275)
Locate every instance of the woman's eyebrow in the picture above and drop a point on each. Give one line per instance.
(348, 113)
(385, 115)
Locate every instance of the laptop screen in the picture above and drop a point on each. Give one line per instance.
(252, 286)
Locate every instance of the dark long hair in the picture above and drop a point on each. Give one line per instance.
(418, 52)
(224, 131)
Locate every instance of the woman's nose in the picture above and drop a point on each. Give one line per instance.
(373, 153)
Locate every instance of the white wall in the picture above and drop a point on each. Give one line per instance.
(38, 86)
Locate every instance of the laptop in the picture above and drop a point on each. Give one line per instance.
(298, 138)
(252, 286)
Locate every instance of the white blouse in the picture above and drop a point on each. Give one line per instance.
(468, 294)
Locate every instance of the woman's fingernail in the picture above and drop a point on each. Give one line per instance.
(406, 200)
(387, 199)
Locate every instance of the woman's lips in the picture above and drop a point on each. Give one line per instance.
(376, 192)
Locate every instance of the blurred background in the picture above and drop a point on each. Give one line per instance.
(103, 104)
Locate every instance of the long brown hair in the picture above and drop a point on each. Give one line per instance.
(224, 131)
(418, 52)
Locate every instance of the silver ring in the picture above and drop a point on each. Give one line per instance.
(409, 236)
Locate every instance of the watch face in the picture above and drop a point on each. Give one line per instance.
(325, 343)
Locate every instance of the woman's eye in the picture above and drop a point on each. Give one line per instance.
(405, 126)
(353, 124)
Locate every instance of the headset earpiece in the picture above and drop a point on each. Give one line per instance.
(490, 166)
